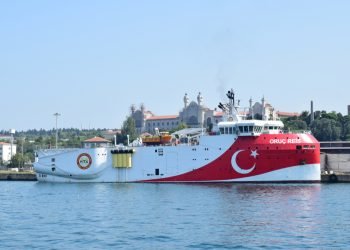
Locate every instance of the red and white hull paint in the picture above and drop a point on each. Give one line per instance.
(216, 158)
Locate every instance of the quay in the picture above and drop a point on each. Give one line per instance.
(17, 176)
(335, 161)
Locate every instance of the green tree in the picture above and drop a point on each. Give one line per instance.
(332, 115)
(128, 128)
(181, 125)
(295, 125)
(18, 161)
(345, 126)
(305, 116)
(326, 129)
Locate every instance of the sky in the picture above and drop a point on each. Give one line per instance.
(91, 60)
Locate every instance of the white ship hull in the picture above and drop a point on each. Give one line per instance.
(200, 163)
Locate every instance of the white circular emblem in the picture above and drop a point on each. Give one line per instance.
(84, 161)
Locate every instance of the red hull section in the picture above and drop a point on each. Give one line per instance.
(251, 156)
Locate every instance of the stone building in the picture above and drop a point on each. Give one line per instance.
(140, 116)
(266, 111)
(196, 115)
(193, 114)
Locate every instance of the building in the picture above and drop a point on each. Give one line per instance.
(96, 142)
(196, 115)
(110, 134)
(140, 116)
(282, 114)
(265, 111)
(6, 152)
(165, 122)
(193, 114)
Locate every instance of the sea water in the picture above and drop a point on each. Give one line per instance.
(174, 216)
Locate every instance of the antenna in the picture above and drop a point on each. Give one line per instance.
(57, 115)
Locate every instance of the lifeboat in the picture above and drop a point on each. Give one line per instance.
(162, 138)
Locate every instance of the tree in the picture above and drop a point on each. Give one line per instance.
(326, 129)
(305, 116)
(345, 126)
(128, 129)
(181, 125)
(18, 161)
(332, 115)
(295, 125)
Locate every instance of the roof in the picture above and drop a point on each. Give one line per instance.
(111, 132)
(188, 131)
(4, 143)
(96, 139)
(163, 117)
(5, 136)
(218, 113)
(289, 114)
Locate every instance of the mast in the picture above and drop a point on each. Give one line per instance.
(231, 96)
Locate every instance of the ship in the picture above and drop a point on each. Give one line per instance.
(238, 149)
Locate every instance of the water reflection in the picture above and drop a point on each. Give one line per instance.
(272, 211)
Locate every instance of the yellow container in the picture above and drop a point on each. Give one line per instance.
(128, 158)
(122, 160)
(120, 163)
(115, 160)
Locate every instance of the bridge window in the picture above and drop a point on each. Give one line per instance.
(222, 131)
(230, 130)
(240, 129)
(257, 129)
(245, 129)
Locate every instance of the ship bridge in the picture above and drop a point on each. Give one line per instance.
(250, 127)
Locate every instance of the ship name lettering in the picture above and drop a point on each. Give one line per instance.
(284, 141)
(294, 140)
(278, 141)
